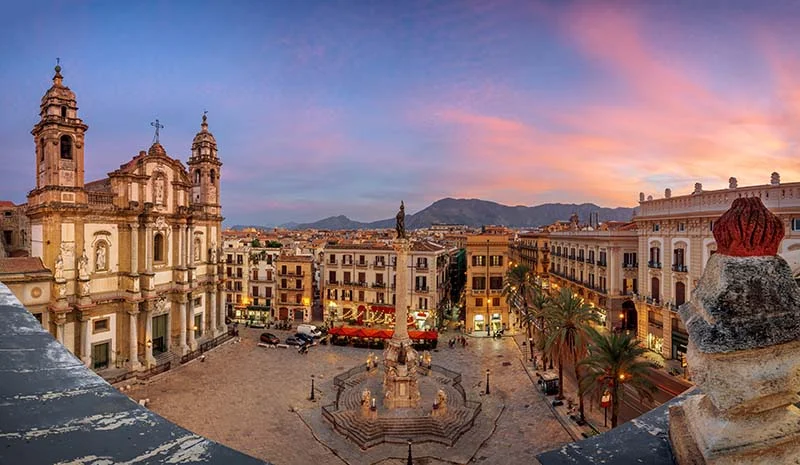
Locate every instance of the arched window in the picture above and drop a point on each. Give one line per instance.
(41, 149)
(66, 147)
(63, 111)
(158, 247)
(211, 176)
(655, 288)
(680, 293)
(197, 176)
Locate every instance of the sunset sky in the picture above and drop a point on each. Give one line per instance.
(347, 107)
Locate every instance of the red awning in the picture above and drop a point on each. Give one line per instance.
(382, 308)
(351, 331)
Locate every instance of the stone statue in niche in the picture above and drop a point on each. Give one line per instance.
(83, 265)
(59, 271)
(213, 251)
(100, 258)
(158, 190)
(197, 251)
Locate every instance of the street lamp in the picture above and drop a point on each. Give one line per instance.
(622, 317)
(312, 398)
(409, 461)
(486, 284)
(605, 402)
(487, 381)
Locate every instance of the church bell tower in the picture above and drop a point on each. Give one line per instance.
(204, 169)
(59, 140)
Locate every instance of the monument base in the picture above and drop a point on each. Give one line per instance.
(702, 435)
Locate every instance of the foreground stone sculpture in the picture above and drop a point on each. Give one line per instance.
(744, 349)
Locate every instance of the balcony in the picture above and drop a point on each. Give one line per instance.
(630, 265)
(422, 266)
(292, 274)
(581, 259)
(332, 262)
(495, 291)
(478, 291)
(652, 264)
(422, 290)
(362, 264)
(379, 285)
(379, 265)
(590, 261)
(601, 263)
(332, 283)
(680, 268)
(572, 257)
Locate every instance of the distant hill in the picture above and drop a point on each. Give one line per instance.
(476, 212)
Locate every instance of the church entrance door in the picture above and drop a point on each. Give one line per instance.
(160, 334)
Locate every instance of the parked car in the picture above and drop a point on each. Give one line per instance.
(257, 324)
(293, 341)
(269, 338)
(305, 337)
(309, 330)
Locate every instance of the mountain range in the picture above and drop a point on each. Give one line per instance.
(475, 213)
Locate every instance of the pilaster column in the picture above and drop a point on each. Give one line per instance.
(148, 244)
(211, 305)
(223, 327)
(134, 337)
(190, 315)
(189, 246)
(86, 346)
(148, 339)
(181, 261)
(60, 331)
(134, 248)
(182, 333)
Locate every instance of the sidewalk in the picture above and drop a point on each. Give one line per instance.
(593, 414)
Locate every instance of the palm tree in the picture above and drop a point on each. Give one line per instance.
(538, 303)
(570, 317)
(615, 360)
(517, 288)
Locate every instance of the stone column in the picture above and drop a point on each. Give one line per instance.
(182, 324)
(401, 246)
(60, 331)
(134, 337)
(190, 315)
(189, 246)
(148, 337)
(134, 248)
(86, 346)
(211, 305)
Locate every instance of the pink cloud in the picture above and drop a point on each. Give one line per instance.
(676, 129)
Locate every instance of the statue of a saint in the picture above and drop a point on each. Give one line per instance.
(83, 265)
(401, 222)
(158, 189)
(59, 271)
(213, 251)
(100, 258)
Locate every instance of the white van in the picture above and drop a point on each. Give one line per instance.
(309, 330)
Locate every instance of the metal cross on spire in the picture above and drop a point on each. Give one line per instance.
(158, 126)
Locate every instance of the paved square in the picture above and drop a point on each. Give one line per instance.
(255, 400)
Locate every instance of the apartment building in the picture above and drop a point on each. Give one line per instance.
(295, 291)
(676, 240)
(487, 257)
(250, 279)
(600, 265)
(358, 282)
(532, 250)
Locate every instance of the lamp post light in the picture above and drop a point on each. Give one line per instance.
(605, 402)
(410, 459)
(312, 398)
(487, 381)
(622, 318)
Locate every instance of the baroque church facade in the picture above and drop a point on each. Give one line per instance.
(134, 256)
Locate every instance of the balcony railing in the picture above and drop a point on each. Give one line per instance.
(679, 267)
(478, 291)
(653, 264)
(332, 262)
(590, 261)
(421, 289)
(362, 264)
(379, 265)
(332, 282)
(292, 273)
(422, 266)
(630, 265)
(572, 257)
(379, 285)
(581, 259)
(601, 263)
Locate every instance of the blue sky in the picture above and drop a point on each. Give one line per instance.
(346, 107)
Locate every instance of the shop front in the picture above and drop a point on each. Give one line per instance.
(496, 322)
(478, 323)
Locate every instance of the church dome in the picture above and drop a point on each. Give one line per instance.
(204, 135)
(157, 150)
(58, 93)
